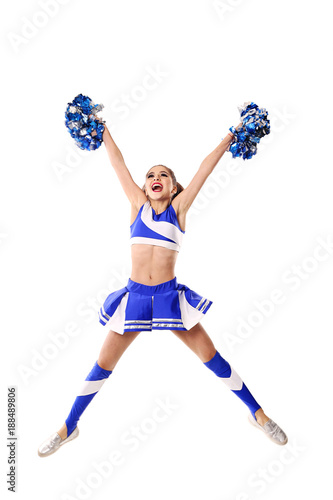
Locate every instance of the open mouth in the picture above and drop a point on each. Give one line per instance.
(157, 187)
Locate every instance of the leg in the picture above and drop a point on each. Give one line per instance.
(198, 340)
(201, 344)
(113, 348)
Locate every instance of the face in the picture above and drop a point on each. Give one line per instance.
(159, 184)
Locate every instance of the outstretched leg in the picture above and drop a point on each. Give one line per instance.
(198, 340)
(114, 346)
(201, 344)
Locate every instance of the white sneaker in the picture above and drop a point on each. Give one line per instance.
(53, 443)
(271, 429)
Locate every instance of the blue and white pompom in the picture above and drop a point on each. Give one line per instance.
(255, 125)
(86, 130)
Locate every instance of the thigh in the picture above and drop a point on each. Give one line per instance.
(113, 348)
(198, 340)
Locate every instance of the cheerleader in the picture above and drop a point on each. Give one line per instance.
(153, 299)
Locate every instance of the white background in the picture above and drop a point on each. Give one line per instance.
(64, 241)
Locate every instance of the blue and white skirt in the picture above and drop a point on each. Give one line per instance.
(167, 306)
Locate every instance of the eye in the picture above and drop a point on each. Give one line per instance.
(165, 175)
(149, 175)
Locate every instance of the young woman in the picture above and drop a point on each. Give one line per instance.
(152, 298)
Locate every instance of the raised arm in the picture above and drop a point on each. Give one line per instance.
(184, 200)
(135, 195)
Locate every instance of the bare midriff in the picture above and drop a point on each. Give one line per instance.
(152, 265)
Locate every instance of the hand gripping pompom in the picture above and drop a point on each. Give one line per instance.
(255, 125)
(81, 122)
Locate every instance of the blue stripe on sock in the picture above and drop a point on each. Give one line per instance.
(81, 402)
(247, 398)
(222, 369)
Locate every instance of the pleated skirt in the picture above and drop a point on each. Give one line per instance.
(167, 306)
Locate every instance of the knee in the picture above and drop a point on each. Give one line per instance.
(208, 355)
(219, 365)
(105, 363)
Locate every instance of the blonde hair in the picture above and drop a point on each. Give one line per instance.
(173, 177)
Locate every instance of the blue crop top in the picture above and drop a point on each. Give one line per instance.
(161, 229)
